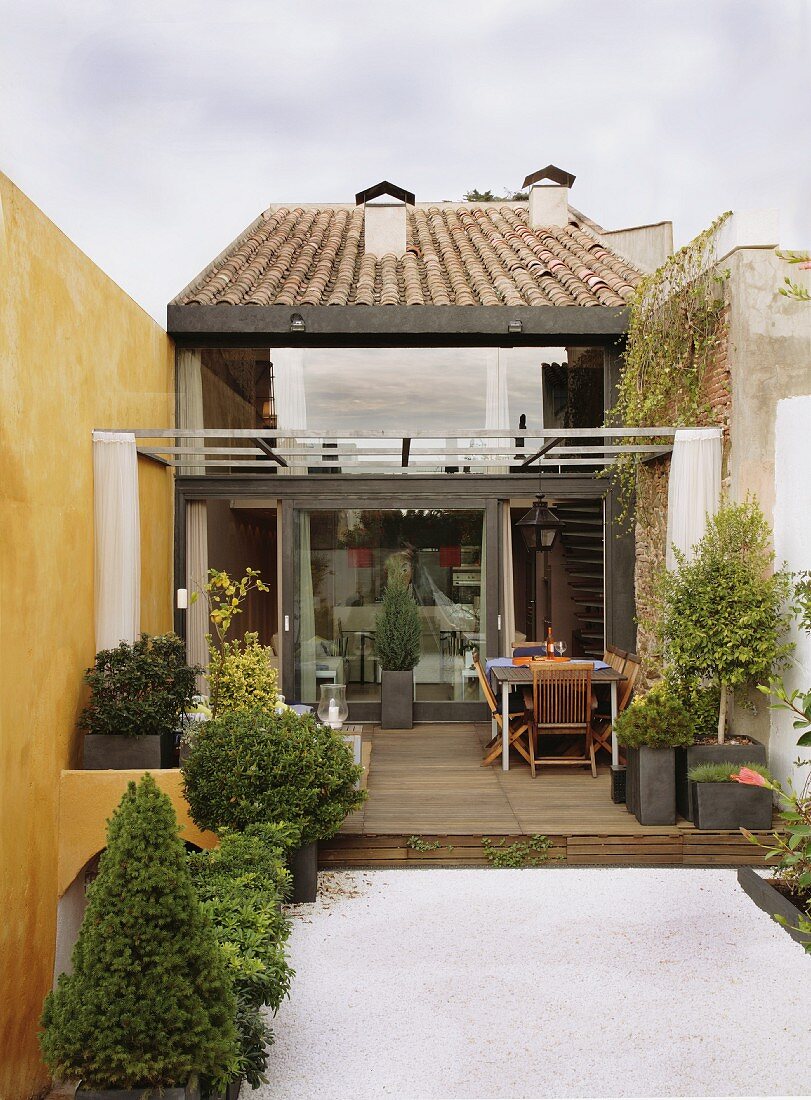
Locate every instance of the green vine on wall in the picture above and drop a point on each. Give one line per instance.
(675, 328)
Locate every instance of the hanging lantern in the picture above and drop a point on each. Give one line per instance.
(540, 526)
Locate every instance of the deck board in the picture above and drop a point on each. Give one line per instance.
(428, 782)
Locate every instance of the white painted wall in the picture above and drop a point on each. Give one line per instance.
(792, 543)
(646, 246)
(548, 205)
(385, 228)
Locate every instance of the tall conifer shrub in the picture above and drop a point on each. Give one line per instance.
(398, 637)
(149, 1002)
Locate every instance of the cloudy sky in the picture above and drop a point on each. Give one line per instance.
(153, 131)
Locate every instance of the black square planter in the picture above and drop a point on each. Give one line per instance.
(112, 752)
(189, 1092)
(618, 783)
(771, 901)
(731, 806)
(304, 868)
(710, 754)
(397, 700)
(650, 793)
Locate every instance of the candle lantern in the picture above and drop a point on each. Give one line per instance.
(332, 706)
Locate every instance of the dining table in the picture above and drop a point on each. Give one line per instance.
(506, 676)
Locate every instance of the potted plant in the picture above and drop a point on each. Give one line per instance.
(250, 767)
(721, 624)
(140, 693)
(398, 642)
(723, 800)
(149, 1007)
(241, 885)
(650, 729)
(786, 895)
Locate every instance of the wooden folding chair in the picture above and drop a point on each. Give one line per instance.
(519, 728)
(561, 706)
(614, 657)
(601, 724)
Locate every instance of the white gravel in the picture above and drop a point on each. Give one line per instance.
(555, 982)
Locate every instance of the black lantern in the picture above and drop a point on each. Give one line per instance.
(539, 527)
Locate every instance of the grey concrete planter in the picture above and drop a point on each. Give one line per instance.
(709, 754)
(650, 785)
(304, 867)
(109, 751)
(397, 699)
(771, 901)
(731, 806)
(190, 1092)
(231, 1092)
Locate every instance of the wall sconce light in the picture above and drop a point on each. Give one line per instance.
(182, 599)
(515, 326)
(297, 323)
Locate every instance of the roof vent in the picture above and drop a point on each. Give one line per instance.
(384, 223)
(549, 201)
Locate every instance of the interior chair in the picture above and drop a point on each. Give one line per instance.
(561, 707)
(519, 727)
(601, 723)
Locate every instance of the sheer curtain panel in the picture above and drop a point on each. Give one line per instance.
(694, 489)
(117, 538)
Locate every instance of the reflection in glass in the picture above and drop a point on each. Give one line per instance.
(343, 561)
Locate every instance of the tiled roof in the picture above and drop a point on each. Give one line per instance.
(457, 254)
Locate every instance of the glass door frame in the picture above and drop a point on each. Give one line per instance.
(424, 710)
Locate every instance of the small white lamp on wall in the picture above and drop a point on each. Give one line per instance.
(182, 599)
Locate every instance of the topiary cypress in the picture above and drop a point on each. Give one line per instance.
(149, 1002)
(398, 631)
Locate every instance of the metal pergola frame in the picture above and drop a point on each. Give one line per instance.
(269, 451)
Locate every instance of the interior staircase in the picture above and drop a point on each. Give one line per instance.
(582, 537)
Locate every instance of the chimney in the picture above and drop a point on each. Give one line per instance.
(549, 196)
(384, 223)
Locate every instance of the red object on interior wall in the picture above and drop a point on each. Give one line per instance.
(359, 557)
(450, 556)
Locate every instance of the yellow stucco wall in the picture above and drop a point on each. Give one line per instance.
(75, 354)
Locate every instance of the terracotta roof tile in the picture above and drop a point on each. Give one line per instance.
(461, 254)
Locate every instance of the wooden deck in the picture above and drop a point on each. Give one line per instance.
(429, 783)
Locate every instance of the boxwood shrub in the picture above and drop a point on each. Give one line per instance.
(250, 767)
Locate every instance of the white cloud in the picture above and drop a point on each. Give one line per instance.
(153, 133)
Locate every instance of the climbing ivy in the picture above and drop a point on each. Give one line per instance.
(674, 329)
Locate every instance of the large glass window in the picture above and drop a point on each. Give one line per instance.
(342, 561)
(445, 395)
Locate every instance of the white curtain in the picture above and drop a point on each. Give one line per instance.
(189, 403)
(694, 489)
(290, 399)
(496, 404)
(507, 587)
(117, 538)
(306, 623)
(197, 624)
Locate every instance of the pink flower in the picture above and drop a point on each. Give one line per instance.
(750, 778)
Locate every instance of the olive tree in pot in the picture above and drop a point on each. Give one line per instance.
(651, 728)
(398, 643)
(149, 1007)
(140, 693)
(250, 767)
(722, 625)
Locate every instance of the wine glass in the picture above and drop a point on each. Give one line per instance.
(560, 648)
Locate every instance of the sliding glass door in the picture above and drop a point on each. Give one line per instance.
(341, 558)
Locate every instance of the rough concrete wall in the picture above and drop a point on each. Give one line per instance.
(76, 354)
(792, 543)
(769, 359)
(646, 246)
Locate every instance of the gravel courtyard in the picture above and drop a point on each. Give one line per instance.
(540, 983)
